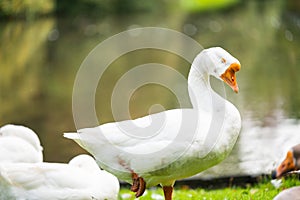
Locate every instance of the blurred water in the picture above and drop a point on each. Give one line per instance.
(39, 61)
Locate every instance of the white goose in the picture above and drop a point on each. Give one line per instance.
(292, 193)
(81, 179)
(19, 144)
(185, 141)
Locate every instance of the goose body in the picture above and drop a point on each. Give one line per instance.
(164, 147)
(81, 179)
(19, 144)
(292, 193)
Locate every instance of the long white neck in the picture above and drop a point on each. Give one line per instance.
(200, 91)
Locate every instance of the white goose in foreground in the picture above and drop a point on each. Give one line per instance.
(19, 144)
(185, 141)
(81, 179)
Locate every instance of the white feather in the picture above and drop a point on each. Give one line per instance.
(81, 179)
(177, 143)
(19, 144)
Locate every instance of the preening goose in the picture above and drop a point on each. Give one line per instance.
(19, 144)
(81, 179)
(164, 147)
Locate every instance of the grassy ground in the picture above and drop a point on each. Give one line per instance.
(261, 191)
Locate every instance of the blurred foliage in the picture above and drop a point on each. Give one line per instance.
(83, 7)
(35, 90)
(98, 8)
(26, 8)
(103, 7)
(293, 5)
(40, 59)
(20, 44)
(207, 5)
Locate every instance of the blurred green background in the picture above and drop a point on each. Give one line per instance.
(43, 43)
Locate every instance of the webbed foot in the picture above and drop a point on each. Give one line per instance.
(138, 185)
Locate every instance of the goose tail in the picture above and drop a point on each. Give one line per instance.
(74, 136)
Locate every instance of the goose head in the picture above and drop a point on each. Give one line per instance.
(290, 163)
(22, 132)
(219, 63)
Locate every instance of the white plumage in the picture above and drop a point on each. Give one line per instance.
(176, 143)
(19, 144)
(81, 179)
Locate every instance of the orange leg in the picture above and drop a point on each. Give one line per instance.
(135, 183)
(142, 187)
(138, 185)
(168, 192)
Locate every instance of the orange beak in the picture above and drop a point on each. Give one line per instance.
(229, 76)
(287, 165)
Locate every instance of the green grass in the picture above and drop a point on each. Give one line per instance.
(261, 191)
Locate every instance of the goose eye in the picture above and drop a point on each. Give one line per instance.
(223, 60)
